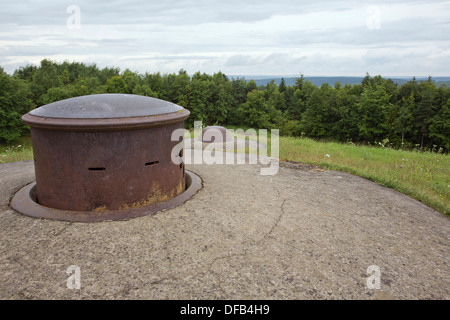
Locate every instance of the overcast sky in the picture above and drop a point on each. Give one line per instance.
(238, 37)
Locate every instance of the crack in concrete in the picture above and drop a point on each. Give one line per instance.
(245, 253)
(8, 205)
(225, 257)
(163, 279)
(217, 275)
(58, 232)
(276, 222)
(209, 267)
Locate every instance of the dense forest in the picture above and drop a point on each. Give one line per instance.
(376, 111)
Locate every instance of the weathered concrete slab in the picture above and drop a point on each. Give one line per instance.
(300, 234)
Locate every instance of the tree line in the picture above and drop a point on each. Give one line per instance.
(376, 111)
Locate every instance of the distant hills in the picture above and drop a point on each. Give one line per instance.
(318, 81)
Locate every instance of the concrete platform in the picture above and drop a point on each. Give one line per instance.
(303, 233)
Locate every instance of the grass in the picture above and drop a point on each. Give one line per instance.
(424, 176)
(20, 150)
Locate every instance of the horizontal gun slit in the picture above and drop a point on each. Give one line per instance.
(97, 169)
(151, 163)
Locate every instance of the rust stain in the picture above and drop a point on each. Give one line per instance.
(100, 209)
(156, 195)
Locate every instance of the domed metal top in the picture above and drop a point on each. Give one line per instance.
(105, 106)
(215, 134)
(100, 112)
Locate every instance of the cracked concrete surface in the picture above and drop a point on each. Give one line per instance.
(300, 234)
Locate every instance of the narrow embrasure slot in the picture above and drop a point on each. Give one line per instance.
(152, 163)
(97, 169)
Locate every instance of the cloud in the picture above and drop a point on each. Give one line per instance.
(241, 60)
(256, 37)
